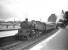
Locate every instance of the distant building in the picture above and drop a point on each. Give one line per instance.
(52, 18)
(62, 14)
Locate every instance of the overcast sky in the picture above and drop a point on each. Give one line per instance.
(32, 9)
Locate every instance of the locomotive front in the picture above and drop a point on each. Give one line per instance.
(31, 30)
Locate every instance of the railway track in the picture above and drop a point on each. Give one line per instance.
(23, 45)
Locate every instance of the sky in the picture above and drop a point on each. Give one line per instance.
(32, 9)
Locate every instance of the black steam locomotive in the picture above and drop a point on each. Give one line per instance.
(33, 29)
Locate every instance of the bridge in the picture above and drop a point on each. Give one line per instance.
(8, 26)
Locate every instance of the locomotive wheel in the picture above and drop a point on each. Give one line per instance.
(29, 38)
(22, 38)
(37, 34)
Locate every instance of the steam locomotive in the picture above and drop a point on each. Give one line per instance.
(33, 29)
